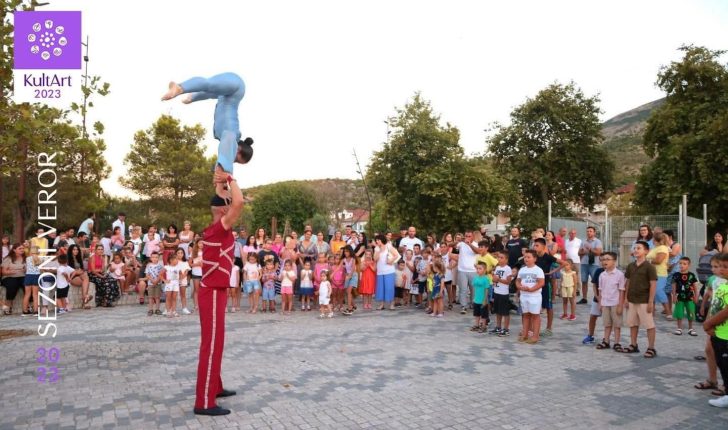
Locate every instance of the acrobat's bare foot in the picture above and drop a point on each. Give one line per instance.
(187, 99)
(174, 90)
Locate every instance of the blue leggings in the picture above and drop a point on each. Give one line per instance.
(228, 89)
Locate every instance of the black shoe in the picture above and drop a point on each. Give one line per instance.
(217, 410)
(226, 393)
(582, 302)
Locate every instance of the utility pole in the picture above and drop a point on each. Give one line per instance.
(366, 190)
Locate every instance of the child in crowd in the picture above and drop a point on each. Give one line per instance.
(711, 284)
(438, 289)
(131, 266)
(269, 286)
(171, 275)
(529, 282)
(423, 265)
(490, 263)
(717, 328)
(502, 276)
(641, 285)
(338, 278)
(569, 281)
(251, 281)
(116, 270)
(151, 282)
(611, 296)
(32, 273)
(400, 280)
(234, 290)
(184, 270)
(481, 284)
(684, 296)
(325, 295)
(287, 278)
(367, 284)
(306, 286)
(595, 311)
(63, 280)
(321, 265)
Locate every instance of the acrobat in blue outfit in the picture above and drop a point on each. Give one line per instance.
(229, 90)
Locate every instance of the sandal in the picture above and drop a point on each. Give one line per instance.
(699, 358)
(617, 347)
(475, 328)
(718, 392)
(692, 332)
(677, 332)
(650, 353)
(630, 349)
(603, 345)
(669, 318)
(706, 385)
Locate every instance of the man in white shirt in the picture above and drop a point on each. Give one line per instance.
(467, 251)
(572, 245)
(87, 226)
(120, 222)
(411, 239)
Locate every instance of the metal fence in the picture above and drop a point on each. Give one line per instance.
(618, 233)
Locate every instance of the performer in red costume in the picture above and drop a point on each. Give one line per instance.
(217, 261)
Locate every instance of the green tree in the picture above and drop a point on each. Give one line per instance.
(687, 137)
(423, 177)
(167, 167)
(551, 151)
(26, 131)
(287, 201)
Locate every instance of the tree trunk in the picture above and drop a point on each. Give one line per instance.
(21, 207)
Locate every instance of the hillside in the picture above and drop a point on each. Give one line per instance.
(623, 140)
(335, 193)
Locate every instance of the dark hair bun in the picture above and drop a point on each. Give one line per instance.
(248, 141)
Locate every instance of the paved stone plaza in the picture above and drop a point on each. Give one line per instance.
(385, 370)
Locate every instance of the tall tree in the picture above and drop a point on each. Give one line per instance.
(687, 136)
(287, 201)
(166, 165)
(27, 130)
(423, 176)
(551, 151)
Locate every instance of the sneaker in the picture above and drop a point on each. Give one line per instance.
(463, 311)
(582, 302)
(186, 311)
(331, 314)
(322, 316)
(588, 340)
(440, 315)
(346, 312)
(157, 312)
(720, 402)
(572, 318)
(505, 332)
(496, 330)
(175, 314)
(164, 313)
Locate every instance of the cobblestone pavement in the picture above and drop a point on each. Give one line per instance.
(389, 370)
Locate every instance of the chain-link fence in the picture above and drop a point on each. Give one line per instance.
(618, 233)
(624, 231)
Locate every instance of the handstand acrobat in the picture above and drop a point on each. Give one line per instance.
(229, 89)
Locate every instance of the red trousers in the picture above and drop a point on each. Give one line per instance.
(211, 303)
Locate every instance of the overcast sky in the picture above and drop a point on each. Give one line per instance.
(322, 76)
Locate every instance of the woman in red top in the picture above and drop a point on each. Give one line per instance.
(368, 280)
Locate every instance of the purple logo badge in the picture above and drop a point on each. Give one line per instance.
(47, 40)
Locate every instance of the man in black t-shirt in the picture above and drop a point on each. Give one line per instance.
(515, 246)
